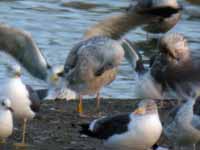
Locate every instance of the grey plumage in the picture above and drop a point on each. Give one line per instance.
(183, 127)
(20, 45)
(35, 99)
(173, 69)
(92, 63)
(169, 8)
(176, 63)
(196, 122)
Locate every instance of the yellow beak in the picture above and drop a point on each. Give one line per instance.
(18, 74)
(54, 78)
(139, 111)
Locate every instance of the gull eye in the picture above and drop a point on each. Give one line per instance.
(61, 74)
(3, 104)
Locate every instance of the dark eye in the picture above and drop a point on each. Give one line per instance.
(61, 74)
(3, 104)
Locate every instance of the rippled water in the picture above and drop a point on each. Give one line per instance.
(57, 25)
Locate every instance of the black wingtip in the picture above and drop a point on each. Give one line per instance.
(164, 12)
(155, 146)
(85, 130)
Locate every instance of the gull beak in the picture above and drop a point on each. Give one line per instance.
(9, 108)
(18, 73)
(139, 111)
(54, 78)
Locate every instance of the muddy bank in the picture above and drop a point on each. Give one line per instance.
(56, 126)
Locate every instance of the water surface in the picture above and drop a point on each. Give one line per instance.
(57, 25)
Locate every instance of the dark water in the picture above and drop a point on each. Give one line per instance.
(57, 25)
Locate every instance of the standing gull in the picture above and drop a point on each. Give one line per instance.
(93, 62)
(175, 65)
(6, 120)
(23, 103)
(140, 129)
(183, 126)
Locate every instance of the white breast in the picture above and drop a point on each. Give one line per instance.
(16, 91)
(143, 132)
(6, 123)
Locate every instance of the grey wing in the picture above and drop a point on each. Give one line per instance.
(94, 56)
(34, 97)
(105, 53)
(171, 115)
(71, 59)
(20, 45)
(185, 74)
(196, 122)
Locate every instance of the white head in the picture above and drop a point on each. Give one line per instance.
(14, 70)
(5, 104)
(54, 75)
(146, 107)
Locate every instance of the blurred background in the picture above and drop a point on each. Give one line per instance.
(56, 25)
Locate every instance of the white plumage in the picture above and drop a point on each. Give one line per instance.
(6, 120)
(140, 129)
(143, 132)
(16, 91)
(57, 88)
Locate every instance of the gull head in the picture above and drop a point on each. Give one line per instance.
(146, 107)
(174, 48)
(14, 70)
(5, 104)
(55, 75)
(58, 85)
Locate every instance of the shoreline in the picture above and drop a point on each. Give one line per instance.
(57, 124)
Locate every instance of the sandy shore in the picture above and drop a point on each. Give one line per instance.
(56, 126)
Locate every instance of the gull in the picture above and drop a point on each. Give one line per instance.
(92, 64)
(6, 119)
(24, 102)
(182, 127)
(140, 129)
(56, 86)
(174, 66)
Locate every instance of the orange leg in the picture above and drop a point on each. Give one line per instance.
(98, 100)
(80, 105)
(80, 108)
